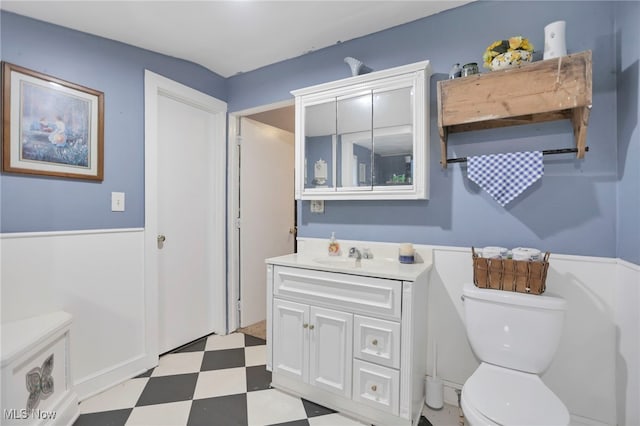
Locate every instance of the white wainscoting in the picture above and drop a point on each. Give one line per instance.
(596, 369)
(627, 320)
(98, 277)
(601, 332)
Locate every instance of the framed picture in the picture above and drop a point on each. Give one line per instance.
(50, 126)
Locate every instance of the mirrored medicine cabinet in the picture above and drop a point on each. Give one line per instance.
(364, 137)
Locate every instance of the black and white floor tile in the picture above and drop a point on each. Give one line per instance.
(217, 380)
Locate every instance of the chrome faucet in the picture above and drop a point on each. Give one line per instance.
(355, 253)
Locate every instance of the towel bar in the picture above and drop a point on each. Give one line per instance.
(545, 152)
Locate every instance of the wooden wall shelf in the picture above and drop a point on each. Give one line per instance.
(554, 89)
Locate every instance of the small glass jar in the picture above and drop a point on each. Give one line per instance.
(470, 69)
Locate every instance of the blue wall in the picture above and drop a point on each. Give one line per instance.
(49, 204)
(627, 47)
(588, 207)
(571, 210)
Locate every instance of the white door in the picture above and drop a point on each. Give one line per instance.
(330, 350)
(266, 210)
(187, 213)
(291, 339)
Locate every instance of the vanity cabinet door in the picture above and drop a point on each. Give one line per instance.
(331, 350)
(291, 339)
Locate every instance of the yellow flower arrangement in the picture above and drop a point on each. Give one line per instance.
(514, 44)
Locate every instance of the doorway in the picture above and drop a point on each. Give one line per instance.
(262, 203)
(185, 238)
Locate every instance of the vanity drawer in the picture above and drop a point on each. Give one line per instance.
(352, 293)
(376, 386)
(377, 341)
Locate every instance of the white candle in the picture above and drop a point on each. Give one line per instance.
(406, 249)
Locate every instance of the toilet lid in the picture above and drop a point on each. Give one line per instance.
(509, 397)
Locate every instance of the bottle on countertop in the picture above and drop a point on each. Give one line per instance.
(334, 246)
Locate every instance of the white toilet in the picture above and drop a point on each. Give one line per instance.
(515, 335)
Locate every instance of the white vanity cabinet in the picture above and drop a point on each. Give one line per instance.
(364, 137)
(315, 345)
(353, 342)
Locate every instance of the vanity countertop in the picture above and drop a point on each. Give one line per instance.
(380, 267)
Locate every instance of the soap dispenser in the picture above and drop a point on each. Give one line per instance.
(334, 246)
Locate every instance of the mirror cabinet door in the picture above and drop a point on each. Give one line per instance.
(393, 137)
(354, 150)
(319, 145)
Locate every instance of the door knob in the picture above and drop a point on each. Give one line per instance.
(161, 240)
(292, 230)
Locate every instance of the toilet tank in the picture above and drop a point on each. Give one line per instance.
(513, 330)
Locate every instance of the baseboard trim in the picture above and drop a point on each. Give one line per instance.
(109, 377)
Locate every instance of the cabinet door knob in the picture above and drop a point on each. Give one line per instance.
(374, 388)
(305, 325)
(374, 342)
(311, 327)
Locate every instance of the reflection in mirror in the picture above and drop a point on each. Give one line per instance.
(393, 156)
(393, 137)
(354, 158)
(319, 150)
(354, 148)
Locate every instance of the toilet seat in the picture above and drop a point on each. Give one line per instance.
(472, 417)
(508, 397)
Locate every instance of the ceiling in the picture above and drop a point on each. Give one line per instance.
(229, 37)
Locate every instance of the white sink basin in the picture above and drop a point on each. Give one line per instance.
(349, 262)
(336, 261)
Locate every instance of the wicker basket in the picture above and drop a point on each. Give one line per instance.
(510, 275)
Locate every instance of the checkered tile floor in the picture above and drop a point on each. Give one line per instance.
(217, 380)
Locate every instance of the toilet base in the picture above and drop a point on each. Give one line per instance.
(496, 395)
(471, 416)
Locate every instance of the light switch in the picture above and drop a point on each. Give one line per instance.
(117, 201)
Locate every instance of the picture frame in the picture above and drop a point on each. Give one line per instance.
(51, 127)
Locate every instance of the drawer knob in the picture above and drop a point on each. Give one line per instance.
(374, 342)
(374, 388)
(311, 327)
(305, 325)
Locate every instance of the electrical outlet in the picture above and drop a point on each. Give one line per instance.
(317, 206)
(117, 201)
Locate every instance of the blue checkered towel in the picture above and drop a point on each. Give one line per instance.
(505, 176)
